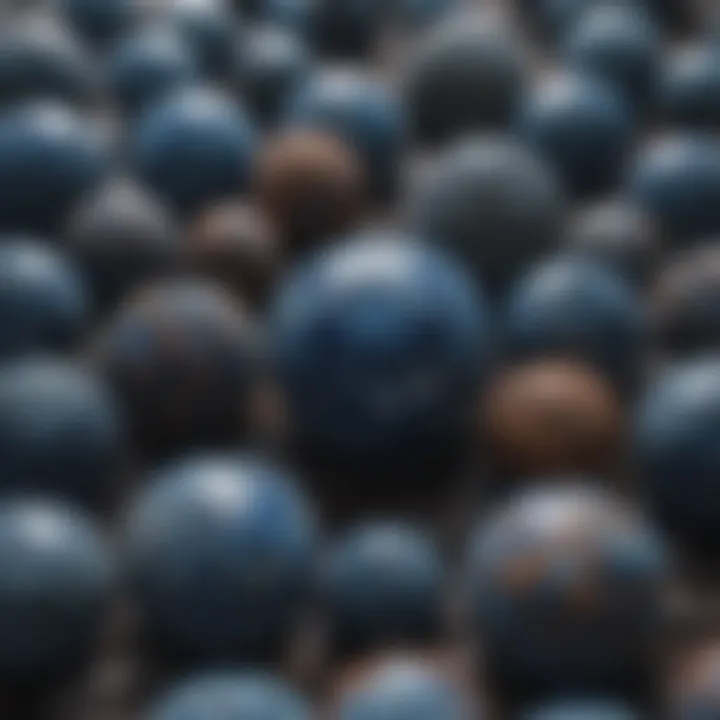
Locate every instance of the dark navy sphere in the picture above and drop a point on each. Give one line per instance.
(383, 584)
(144, 67)
(100, 22)
(182, 355)
(677, 178)
(347, 29)
(690, 87)
(50, 158)
(56, 580)
(467, 75)
(565, 582)
(402, 690)
(620, 45)
(193, 148)
(577, 309)
(44, 305)
(583, 127)
(676, 449)
(363, 113)
(272, 63)
(581, 709)
(61, 433)
(121, 236)
(380, 343)
(221, 552)
(493, 204)
(226, 696)
(40, 60)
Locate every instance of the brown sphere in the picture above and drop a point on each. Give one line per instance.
(552, 418)
(237, 246)
(312, 186)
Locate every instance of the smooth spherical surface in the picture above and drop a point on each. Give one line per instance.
(564, 584)
(347, 29)
(228, 696)
(694, 690)
(56, 579)
(467, 75)
(620, 45)
(571, 308)
(493, 204)
(383, 584)
(181, 355)
(583, 128)
(121, 236)
(363, 113)
(380, 342)
(60, 431)
(193, 148)
(677, 179)
(297, 16)
(49, 159)
(690, 88)
(619, 235)
(675, 448)
(100, 21)
(144, 67)
(579, 709)
(552, 418)
(312, 187)
(44, 305)
(221, 552)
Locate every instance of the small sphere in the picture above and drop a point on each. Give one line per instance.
(221, 553)
(312, 187)
(574, 309)
(674, 449)
(60, 432)
(194, 148)
(619, 235)
(565, 116)
(50, 158)
(565, 587)
(694, 690)
(677, 179)
(121, 237)
(144, 67)
(552, 418)
(579, 709)
(362, 112)
(44, 305)
(380, 343)
(56, 581)
(100, 22)
(467, 75)
(493, 204)
(383, 584)
(222, 696)
(181, 355)
(237, 246)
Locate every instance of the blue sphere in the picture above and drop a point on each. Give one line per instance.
(221, 553)
(690, 88)
(675, 450)
(580, 709)
(565, 587)
(60, 432)
(49, 159)
(44, 306)
(383, 584)
(56, 581)
(620, 45)
(583, 128)
(677, 179)
(194, 147)
(297, 16)
(100, 21)
(227, 696)
(380, 343)
(363, 113)
(145, 66)
(573, 308)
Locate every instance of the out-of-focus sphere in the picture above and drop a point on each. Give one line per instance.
(347, 29)
(578, 709)
(552, 418)
(100, 21)
(694, 689)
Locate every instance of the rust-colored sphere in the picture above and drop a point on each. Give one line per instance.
(312, 186)
(550, 418)
(236, 245)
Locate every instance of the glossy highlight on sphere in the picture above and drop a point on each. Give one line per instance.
(221, 555)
